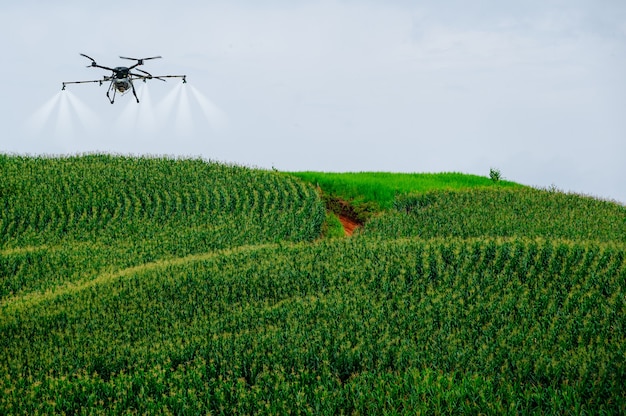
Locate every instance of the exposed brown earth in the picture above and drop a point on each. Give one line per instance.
(349, 225)
(345, 212)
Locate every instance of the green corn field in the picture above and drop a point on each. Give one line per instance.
(502, 212)
(135, 285)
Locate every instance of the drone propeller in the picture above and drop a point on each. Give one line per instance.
(145, 72)
(94, 64)
(140, 60)
(149, 75)
(93, 61)
(88, 57)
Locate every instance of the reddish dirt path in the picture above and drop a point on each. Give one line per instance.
(349, 225)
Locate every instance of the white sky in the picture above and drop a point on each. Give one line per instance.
(534, 88)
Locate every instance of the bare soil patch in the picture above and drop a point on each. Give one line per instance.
(349, 225)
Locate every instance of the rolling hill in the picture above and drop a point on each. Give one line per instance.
(182, 286)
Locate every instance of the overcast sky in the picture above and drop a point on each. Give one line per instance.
(536, 89)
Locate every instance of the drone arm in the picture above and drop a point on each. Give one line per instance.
(100, 66)
(159, 77)
(184, 77)
(80, 82)
(141, 76)
(94, 64)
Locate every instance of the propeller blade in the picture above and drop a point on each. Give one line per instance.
(140, 59)
(147, 76)
(93, 61)
(145, 72)
(88, 57)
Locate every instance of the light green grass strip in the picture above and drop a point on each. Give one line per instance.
(18, 303)
(382, 187)
(21, 250)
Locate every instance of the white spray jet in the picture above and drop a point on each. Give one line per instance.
(122, 77)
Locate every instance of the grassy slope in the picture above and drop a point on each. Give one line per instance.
(382, 187)
(365, 325)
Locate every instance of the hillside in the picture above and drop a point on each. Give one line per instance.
(502, 212)
(381, 188)
(71, 219)
(152, 285)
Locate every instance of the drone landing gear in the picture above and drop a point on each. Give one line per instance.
(112, 87)
(134, 93)
(112, 100)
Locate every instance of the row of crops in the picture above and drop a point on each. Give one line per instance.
(67, 219)
(163, 286)
(343, 326)
(101, 197)
(502, 212)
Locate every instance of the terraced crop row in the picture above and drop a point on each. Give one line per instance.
(343, 326)
(50, 199)
(83, 215)
(501, 212)
(160, 286)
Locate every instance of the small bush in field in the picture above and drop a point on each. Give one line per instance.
(495, 175)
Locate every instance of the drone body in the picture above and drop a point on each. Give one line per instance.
(122, 77)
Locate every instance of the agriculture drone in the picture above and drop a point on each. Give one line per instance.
(122, 77)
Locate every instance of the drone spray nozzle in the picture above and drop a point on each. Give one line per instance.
(184, 79)
(63, 89)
